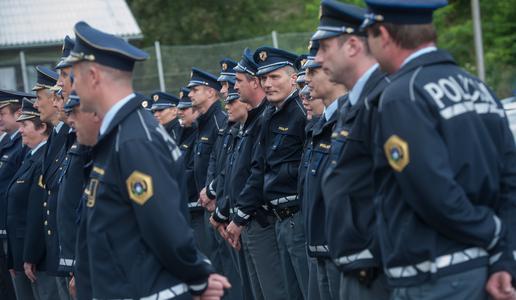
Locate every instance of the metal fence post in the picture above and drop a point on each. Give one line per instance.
(23, 66)
(477, 31)
(160, 66)
(274, 39)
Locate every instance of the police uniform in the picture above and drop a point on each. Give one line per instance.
(71, 182)
(71, 212)
(304, 93)
(208, 126)
(139, 244)
(24, 221)
(12, 154)
(445, 172)
(54, 155)
(347, 184)
(315, 161)
(11, 157)
(163, 101)
(274, 177)
(224, 139)
(186, 144)
(259, 245)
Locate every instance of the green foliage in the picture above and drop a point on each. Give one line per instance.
(192, 22)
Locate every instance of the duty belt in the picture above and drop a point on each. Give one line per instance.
(440, 262)
(285, 213)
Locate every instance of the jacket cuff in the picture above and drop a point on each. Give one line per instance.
(241, 218)
(210, 191)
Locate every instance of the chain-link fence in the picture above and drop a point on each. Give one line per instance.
(177, 61)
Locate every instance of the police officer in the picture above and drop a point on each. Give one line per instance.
(348, 185)
(25, 195)
(274, 178)
(187, 119)
(227, 75)
(209, 193)
(75, 175)
(317, 161)
(135, 227)
(72, 182)
(444, 166)
(204, 93)
(258, 242)
(164, 109)
(64, 82)
(52, 160)
(11, 157)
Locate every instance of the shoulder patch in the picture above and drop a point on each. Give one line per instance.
(139, 187)
(397, 153)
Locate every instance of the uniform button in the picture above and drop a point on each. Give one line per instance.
(60, 168)
(48, 212)
(46, 222)
(49, 232)
(48, 192)
(57, 160)
(66, 158)
(44, 204)
(363, 273)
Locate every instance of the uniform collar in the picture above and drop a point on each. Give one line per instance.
(110, 115)
(330, 109)
(357, 89)
(290, 96)
(58, 127)
(418, 53)
(13, 136)
(37, 147)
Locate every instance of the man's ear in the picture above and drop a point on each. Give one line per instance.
(385, 36)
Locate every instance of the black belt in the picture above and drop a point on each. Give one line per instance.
(285, 212)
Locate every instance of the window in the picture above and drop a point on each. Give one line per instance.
(8, 78)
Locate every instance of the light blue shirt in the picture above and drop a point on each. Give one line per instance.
(418, 53)
(355, 92)
(58, 127)
(37, 147)
(14, 134)
(110, 115)
(330, 109)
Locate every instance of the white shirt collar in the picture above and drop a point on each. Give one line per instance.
(58, 127)
(110, 115)
(14, 134)
(37, 147)
(330, 109)
(357, 89)
(418, 53)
